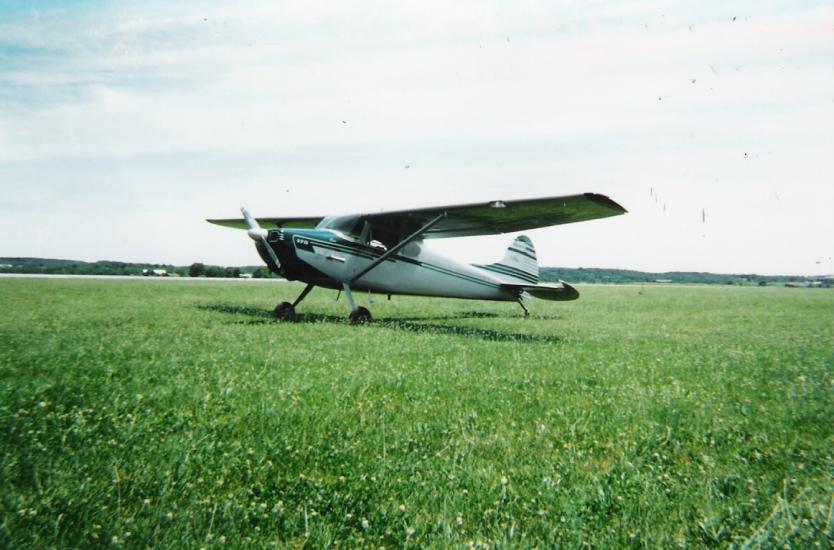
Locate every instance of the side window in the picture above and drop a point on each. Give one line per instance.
(350, 225)
(412, 250)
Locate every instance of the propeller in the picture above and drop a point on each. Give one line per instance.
(259, 235)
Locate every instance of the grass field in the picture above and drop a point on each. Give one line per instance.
(142, 413)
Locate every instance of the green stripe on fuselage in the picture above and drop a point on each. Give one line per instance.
(371, 253)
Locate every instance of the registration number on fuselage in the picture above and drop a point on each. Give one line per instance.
(303, 244)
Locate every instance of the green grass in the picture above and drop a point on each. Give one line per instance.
(180, 414)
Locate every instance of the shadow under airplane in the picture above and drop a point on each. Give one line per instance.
(406, 324)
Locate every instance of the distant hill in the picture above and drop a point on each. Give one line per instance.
(547, 274)
(621, 276)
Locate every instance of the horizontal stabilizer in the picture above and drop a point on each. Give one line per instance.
(561, 292)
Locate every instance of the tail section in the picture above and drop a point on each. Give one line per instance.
(518, 272)
(518, 264)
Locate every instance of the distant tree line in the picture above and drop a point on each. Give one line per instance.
(547, 274)
(202, 270)
(625, 276)
(48, 266)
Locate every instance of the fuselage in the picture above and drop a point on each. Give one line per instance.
(329, 258)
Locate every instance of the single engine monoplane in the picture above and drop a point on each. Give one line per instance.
(384, 252)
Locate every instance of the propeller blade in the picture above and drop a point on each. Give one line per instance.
(250, 221)
(259, 235)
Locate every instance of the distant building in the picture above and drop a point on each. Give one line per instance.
(155, 272)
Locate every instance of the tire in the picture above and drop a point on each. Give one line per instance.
(284, 311)
(360, 316)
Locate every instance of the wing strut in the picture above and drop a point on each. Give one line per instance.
(396, 248)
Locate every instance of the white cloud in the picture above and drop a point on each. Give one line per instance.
(201, 109)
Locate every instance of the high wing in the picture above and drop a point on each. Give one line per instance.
(300, 223)
(491, 218)
(486, 218)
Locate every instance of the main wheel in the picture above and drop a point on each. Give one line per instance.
(284, 311)
(360, 316)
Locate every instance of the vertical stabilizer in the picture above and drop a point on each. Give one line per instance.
(518, 264)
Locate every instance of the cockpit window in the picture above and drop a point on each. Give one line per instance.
(349, 225)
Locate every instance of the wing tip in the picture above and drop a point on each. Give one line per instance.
(606, 202)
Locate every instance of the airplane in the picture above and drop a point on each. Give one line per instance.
(384, 252)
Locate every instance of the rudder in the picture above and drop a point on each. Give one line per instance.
(519, 262)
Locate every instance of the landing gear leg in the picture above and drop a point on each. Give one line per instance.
(526, 313)
(286, 311)
(358, 315)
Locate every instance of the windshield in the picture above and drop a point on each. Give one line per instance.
(349, 225)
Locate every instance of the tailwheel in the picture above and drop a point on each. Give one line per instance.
(284, 311)
(360, 316)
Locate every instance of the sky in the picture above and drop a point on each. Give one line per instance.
(124, 125)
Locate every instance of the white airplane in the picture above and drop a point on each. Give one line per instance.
(384, 252)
